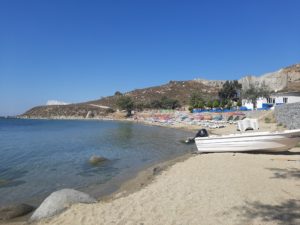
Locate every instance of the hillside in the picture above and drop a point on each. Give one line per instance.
(81, 110)
(286, 79)
(180, 90)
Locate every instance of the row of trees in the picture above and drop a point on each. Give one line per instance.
(196, 101)
(164, 103)
(126, 103)
(230, 94)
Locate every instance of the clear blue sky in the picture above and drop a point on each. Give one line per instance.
(75, 51)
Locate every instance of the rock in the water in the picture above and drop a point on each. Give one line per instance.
(3, 182)
(94, 160)
(14, 211)
(60, 200)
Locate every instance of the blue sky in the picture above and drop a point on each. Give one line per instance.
(75, 51)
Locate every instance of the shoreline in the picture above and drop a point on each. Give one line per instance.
(144, 177)
(149, 118)
(130, 184)
(223, 188)
(136, 182)
(188, 128)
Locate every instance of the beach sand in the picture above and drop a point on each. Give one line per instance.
(224, 188)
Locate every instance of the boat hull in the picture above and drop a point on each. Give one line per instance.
(246, 142)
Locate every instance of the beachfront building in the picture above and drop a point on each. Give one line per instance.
(274, 99)
(259, 103)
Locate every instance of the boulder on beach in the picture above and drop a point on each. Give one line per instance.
(59, 201)
(13, 211)
(95, 160)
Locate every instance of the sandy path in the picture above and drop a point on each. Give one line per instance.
(206, 189)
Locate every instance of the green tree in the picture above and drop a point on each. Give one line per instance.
(118, 93)
(196, 101)
(139, 106)
(200, 105)
(254, 92)
(209, 104)
(155, 104)
(239, 103)
(169, 103)
(229, 104)
(125, 103)
(165, 103)
(223, 103)
(230, 90)
(216, 103)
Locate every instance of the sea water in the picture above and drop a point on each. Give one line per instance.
(38, 157)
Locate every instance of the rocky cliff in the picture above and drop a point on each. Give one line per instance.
(286, 79)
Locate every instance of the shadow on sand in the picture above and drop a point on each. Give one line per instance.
(289, 173)
(287, 212)
(285, 153)
(273, 153)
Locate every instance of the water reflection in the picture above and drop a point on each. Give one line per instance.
(124, 132)
(87, 169)
(9, 177)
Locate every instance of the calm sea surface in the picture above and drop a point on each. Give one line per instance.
(38, 157)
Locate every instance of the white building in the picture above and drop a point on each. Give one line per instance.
(274, 99)
(284, 97)
(259, 103)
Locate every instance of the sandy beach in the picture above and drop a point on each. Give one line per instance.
(222, 188)
(206, 189)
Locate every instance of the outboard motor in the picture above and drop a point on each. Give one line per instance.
(200, 133)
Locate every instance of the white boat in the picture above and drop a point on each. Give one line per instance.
(245, 142)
